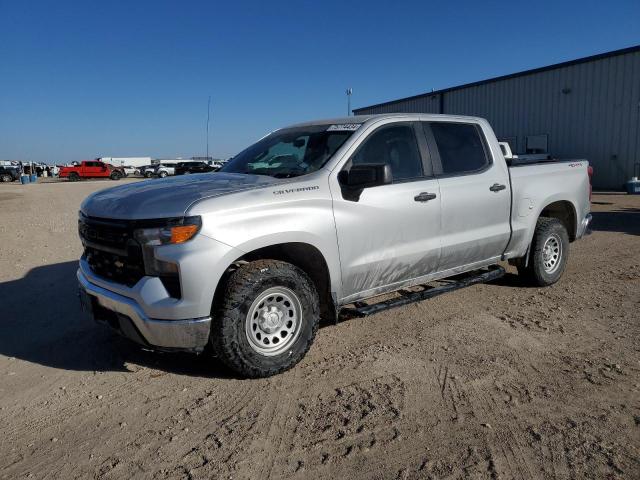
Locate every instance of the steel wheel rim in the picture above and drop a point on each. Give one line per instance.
(551, 254)
(274, 321)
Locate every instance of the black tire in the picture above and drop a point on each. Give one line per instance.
(74, 177)
(162, 174)
(6, 178)
(549, 253)
(148, 174)
(115, 175)
(230, 339)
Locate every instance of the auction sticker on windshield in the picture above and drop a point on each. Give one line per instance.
(344, 127)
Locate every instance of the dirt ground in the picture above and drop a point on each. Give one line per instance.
(496, 380)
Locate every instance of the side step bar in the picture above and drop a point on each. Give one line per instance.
(361, 309)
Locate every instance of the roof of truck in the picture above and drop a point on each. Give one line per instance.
(383, 116)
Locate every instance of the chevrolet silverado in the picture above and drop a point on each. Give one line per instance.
(313, 218)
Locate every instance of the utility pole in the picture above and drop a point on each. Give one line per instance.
(208, 112)
(349, 92)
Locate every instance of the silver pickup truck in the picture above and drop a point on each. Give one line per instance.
(313, 218)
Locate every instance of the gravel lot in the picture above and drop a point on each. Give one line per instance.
(496, 380)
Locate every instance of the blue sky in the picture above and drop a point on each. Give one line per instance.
(131, 78)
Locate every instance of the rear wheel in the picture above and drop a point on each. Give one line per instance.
(549, 253)
(266, 319)
(148, 174)
(6, 178)
(74, 177)
(115, 175)
(162, 174)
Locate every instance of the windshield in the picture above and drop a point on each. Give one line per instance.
(292, 151)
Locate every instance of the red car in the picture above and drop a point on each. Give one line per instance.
(92, 169)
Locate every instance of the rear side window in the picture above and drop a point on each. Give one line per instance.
(460, 147)
(396, 146)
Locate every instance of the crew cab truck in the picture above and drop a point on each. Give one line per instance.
(246, 262)
(92, 169)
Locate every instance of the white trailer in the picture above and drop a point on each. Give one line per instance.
(135, 162)
(172, 161)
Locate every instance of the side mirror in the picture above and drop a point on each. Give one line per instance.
(365, 175)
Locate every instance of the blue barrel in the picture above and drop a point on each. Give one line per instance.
(34, 178)
(633, 187)
(24, 179)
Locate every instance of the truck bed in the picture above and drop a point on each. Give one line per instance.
(535, 186)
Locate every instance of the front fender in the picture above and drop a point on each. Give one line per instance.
(255, 219)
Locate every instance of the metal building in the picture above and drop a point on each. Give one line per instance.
(585, 108)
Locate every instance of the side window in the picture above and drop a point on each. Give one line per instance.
(460, 147)
(396, 146)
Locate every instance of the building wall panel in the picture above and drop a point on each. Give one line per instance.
(597, 117)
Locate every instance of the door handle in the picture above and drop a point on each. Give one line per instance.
(424, 197)
(496, 187)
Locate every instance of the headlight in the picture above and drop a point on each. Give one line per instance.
(179, 231)
(173, 232)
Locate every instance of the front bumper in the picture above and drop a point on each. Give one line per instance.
(124, 315)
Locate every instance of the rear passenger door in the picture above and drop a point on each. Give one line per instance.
(475, 194)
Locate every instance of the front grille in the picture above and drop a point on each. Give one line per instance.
(111, 251)
(114, 254)
(107, 235)
(113, 267)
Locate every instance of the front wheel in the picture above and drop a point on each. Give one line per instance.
(162, 174)
(115, 175)
(549, 253)
(6, 178)
(266, 318)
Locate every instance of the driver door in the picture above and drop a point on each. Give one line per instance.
(390, 234)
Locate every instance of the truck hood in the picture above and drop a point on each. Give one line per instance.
(168, 197)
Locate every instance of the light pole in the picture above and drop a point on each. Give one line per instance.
(208, 111)
(349, 92)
